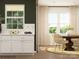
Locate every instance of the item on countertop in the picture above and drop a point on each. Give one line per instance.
(28, 32)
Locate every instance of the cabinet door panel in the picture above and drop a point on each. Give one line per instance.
(16, 46)
(27, 46)
(5, 46)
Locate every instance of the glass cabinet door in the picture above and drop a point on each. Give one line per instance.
(15, 17)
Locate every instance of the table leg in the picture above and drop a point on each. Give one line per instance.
(69, 45)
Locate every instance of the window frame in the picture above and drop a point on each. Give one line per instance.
(58, 23)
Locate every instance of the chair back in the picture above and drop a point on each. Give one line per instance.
(58, 39)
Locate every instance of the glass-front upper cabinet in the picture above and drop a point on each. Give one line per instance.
(14, 16)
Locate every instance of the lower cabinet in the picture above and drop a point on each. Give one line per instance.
(5, 46)
(27, 47)
(17, 44)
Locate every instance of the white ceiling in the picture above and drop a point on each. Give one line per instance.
(58, 2)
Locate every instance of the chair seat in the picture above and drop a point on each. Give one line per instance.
(60, 42)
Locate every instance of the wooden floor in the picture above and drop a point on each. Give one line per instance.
(43, 55)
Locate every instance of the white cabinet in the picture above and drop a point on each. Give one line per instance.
(17, 44)
(27, 45)
(5, 46)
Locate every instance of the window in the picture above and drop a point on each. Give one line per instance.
(58, 20)
(64, 22)
(52, 23)
(14, 16)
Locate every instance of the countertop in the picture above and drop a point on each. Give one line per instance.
(17, 34)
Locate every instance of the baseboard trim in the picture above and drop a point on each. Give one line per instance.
(17, 54)
(46, 45)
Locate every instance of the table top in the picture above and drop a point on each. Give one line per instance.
(70, 36)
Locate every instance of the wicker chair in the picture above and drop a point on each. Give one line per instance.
(60, 42)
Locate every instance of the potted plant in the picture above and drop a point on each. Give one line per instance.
(52, 30)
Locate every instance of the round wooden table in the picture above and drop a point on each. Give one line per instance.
(70, 43)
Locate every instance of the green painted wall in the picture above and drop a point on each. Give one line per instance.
(30, 9)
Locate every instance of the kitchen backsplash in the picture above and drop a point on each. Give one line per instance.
(28, 29)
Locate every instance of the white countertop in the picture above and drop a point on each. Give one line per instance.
(17, 34)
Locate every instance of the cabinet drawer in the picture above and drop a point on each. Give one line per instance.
(25, 42)
(5, 37)
(27, 37)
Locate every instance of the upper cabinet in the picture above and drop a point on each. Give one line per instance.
(14, 16)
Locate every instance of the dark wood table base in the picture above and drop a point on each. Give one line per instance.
(69, 49)
(69, 45)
